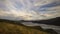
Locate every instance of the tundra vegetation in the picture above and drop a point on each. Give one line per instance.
(12, 27)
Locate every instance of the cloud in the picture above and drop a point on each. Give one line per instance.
(27, 10)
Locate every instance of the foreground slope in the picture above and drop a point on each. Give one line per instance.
(11, 27)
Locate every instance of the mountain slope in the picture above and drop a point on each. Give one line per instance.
(11, 27)
(54, 21)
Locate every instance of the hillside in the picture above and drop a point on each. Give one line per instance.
(53, 21)
(11, 27)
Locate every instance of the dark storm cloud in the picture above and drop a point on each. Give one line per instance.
(53, 4)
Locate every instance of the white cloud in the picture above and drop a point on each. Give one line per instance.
(26, 13)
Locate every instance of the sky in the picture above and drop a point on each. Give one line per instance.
(29, 9)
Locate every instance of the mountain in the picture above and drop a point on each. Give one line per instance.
(13, 27)
(54, 21)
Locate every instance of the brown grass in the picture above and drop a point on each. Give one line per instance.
(8, 28)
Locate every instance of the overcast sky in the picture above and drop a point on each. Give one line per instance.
(29, 9)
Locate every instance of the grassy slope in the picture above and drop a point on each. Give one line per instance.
(9, 28)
